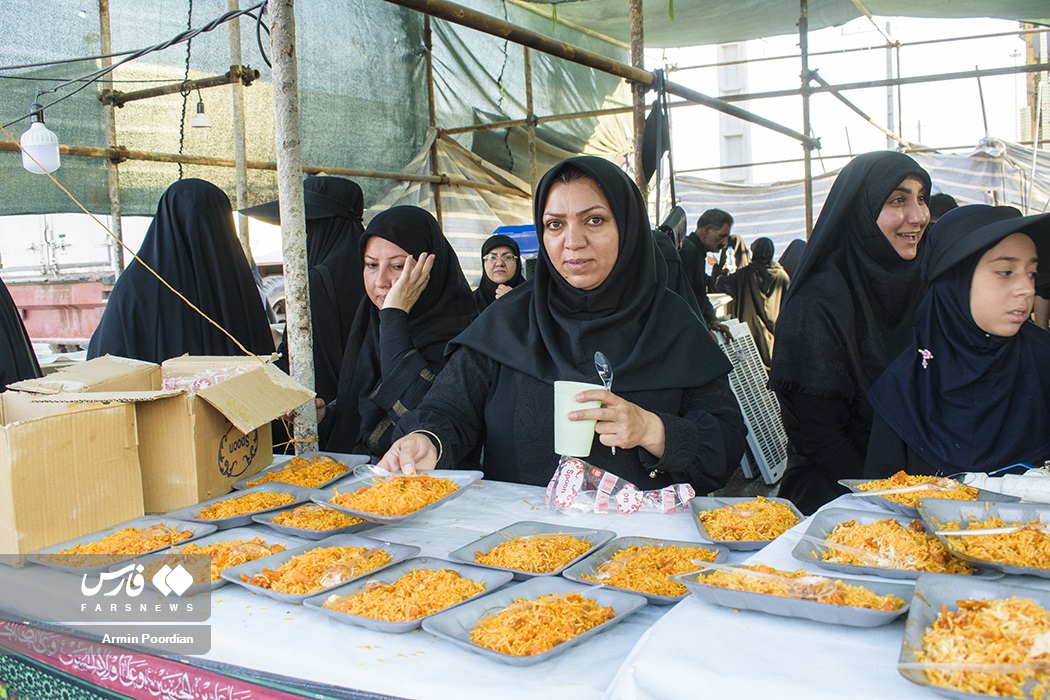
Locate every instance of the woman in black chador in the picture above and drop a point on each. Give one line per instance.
(17, 359)
(847, 314)
(417, 299)
(334, 207)
(599, 286)
(193, 246)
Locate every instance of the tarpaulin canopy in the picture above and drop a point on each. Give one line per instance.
(673, 23)
(997, 172)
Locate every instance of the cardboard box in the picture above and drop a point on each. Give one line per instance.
(208, 429)
(65, 471)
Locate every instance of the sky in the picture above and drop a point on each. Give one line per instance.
(940, 114)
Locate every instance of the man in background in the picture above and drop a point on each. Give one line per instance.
(940, 204)
(711, 236)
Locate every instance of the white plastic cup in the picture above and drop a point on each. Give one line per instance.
(573, 438)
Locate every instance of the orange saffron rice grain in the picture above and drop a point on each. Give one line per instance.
(416, 594)
(529, 627)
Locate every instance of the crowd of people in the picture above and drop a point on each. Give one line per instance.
(891, 343)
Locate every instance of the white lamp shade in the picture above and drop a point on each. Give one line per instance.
(200, 119)
(41, 143)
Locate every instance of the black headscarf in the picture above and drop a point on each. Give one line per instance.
(965, 400)
(849, 309)
(334, 207)
(445, 307)
(792, 255)
(17, 359)
(758, 290)
(549, 330)
(193, 245)
(485, 294)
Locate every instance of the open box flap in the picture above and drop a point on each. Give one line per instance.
(257, 397)
(107, 373)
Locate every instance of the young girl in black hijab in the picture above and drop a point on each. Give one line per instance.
(847, 314)
(972, 391)
(193, 246)
(500, 258)
(417, 299)
(334, 207)
(599, 286)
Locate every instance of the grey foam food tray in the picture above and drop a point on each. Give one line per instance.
(398, 553)
(267, 520)
(105, 563)
(455, 625)
(801, 608)
(281, 461)
(935, 590)
(462, 479)
(465, 554)
(938, 512)
(192, 513)
(700, 504)
(492, 580)
(900, 508)
(590, 565)
(237, 533)
(823, 523)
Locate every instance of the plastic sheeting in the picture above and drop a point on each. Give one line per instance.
(362, 85)
(670, 23)
(468, 216)
(997, 172)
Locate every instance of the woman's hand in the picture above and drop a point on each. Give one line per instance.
(319, 406)
(414, 452)
(622, 423)
(502, 289)
(410, 285)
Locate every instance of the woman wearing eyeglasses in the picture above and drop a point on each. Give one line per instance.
(501, 259)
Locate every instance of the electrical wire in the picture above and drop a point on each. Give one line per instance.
(153, 81)
(61, 61)
(261, 27)
(177, 39)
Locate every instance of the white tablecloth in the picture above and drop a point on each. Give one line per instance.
(726, 653)
(259, 633)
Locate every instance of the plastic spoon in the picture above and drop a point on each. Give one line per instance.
(1035, 525)
(876, 559)
(904, 489)
(605, 373)
(807, 587)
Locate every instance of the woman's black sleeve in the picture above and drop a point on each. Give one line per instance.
(703, 446)
(454, 408)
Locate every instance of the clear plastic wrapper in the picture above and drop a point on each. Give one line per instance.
(580, 487)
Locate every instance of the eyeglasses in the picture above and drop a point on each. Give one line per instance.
(505, 257)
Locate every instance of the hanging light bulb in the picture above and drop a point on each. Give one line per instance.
(200, 120)
(41, 143)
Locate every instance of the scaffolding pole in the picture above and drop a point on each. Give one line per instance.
(240, 156)
(530, 120)
(109, 124)
(638, 95)
(293, 213)
(804, 88)
(432, 110)
(466, 17)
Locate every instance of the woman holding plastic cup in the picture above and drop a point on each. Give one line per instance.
(599, 286)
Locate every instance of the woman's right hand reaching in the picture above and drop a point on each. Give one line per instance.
(409, 286)
(414, 452)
